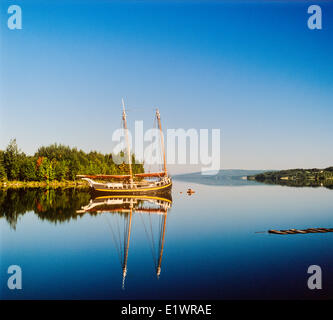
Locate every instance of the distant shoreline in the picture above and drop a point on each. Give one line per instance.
(297, 177)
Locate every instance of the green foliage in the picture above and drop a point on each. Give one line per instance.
(44, 169)
(12, 160)
(58, 162)
(60, 170)
(3, 174)
(297, 177)
(28, 169)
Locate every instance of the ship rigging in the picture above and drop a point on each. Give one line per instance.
(142, 183)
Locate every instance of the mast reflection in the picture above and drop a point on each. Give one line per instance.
(126, 206)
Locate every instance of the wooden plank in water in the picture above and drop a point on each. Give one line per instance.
(297, 231)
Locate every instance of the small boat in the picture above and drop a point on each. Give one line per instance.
(141, 183)
(190, 191)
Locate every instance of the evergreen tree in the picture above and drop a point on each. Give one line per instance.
(3, 174)
(12, 160)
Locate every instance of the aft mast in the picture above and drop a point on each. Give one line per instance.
(158, 116)
(158, 269)
(127, 143)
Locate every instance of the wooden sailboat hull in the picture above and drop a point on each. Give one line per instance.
(101, 188)
(153, 190)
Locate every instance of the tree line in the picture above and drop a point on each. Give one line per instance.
(58, 162)
(297, 177)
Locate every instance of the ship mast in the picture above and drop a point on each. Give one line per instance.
(158, 116)
(126, 246)
(158, 269)
(127, 143)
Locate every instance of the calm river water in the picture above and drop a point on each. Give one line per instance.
(204, 246)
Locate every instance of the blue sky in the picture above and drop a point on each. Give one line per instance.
(252, 69)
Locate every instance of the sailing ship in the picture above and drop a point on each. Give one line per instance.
(125, 206)
(141, 183)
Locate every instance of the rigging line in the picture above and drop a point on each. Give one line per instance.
(152, 244)
(119, 240)
(160, 158)
(151, 167)
(118, 244)
(161, 168)
(139, 108)
(134, 109)
(161, 231)
(152, 237)
(114, 238)
(149, 157)
(158, 142)
(119, 237)
(125, 233)
(151, 247)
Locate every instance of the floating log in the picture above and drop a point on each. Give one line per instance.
(297, 231)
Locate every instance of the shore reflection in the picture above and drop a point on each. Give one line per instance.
(54, 205)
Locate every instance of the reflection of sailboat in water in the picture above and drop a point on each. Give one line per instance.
(123, 208)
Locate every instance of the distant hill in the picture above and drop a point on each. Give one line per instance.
(231, 177)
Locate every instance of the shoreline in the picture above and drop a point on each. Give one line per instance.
(297, 177)
(43, 184)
